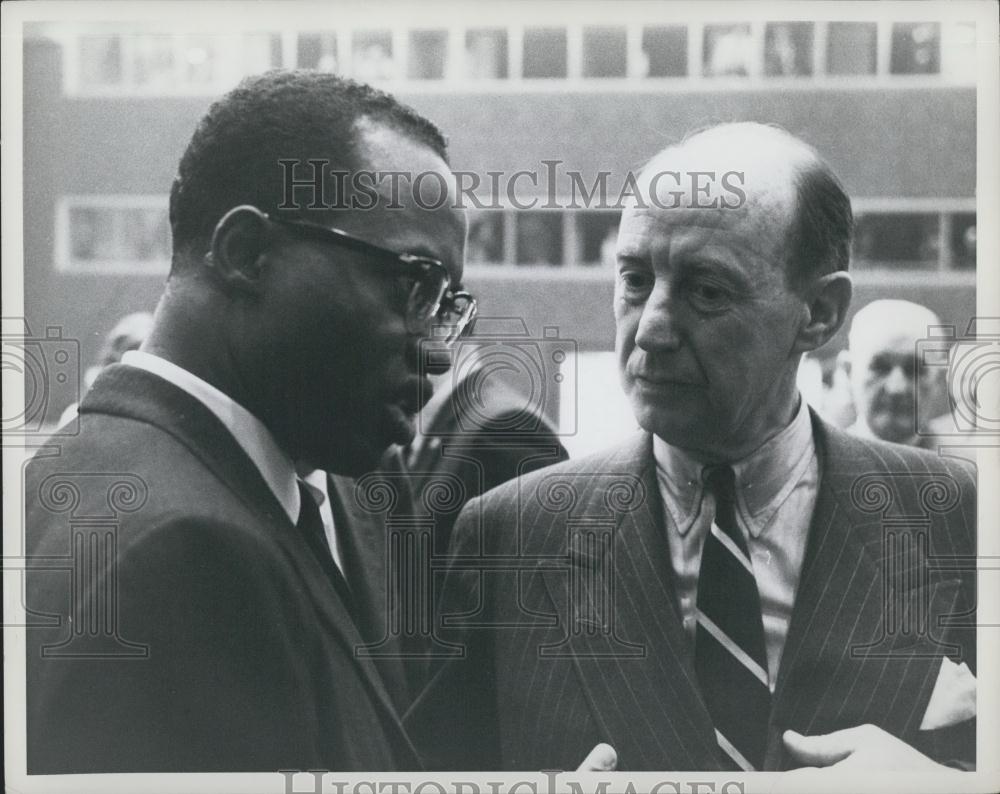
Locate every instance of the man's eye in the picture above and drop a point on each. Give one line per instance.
(635, 281)
(709, 296)
(880, 367)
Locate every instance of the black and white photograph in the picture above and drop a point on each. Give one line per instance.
(501, 397)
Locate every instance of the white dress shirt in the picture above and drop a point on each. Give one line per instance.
(317, 483)
(254, 438)
(776, 488)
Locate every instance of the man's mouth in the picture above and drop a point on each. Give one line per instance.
(403, 410)
(402, 423)
(664, 381)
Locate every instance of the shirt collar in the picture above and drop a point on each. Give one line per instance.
(250, 433)
(316, 483)
(764, 478)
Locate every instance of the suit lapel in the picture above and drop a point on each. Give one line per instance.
(136, 394)
(365, 542)
(637, 668)
(837, 597)
(827, 679)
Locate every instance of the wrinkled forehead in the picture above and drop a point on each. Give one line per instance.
(417, 209)
(717, 185)
(734, 171)
(897, 344)
(890, 327)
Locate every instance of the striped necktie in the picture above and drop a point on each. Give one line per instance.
(730, 654)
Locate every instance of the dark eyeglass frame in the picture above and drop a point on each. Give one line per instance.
(461, 305)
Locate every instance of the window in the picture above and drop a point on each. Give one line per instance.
(604, 52)
(544, 53)
(664, 52)
(153, 61)
(850, 48)
(372, 56)
(788, 49)
(114, 234)
(897, 240)
(486, 54)
(428, 49)
(317, 51)
(963, 241)
(199, 60)
(728, 50)
(485, 244)
(101, 60)
(539, 238)
(260, 51)
(598, 236)
(916, 48)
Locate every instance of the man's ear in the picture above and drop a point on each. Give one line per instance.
(827, 299)
(238, 245)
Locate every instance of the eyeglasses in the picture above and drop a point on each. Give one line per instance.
(430, 299)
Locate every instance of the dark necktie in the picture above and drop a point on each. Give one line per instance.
(730, 654)
(310, 524)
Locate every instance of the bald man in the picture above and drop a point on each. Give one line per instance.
(708, 595)
(894, 395)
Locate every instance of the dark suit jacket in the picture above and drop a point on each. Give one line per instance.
(476, 450)
(187, 625)
(560, 603)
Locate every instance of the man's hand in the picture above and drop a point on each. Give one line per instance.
(602, 758)
(862, 747)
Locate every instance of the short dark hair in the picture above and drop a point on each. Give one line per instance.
(233, 156)
(820, 232)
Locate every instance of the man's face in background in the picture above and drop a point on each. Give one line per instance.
(888, 384)
(894, 394)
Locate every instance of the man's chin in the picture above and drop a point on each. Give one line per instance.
(400, 424)
(667, 423)
(892, 430)
(349, 456)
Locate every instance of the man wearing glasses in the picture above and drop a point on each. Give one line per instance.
(215, 629)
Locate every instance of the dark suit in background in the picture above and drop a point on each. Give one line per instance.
(566, 647)
(477, 449)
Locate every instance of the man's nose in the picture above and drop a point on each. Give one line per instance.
(898, 381)
(658, 324)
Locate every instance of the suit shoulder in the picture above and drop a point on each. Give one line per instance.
(626, 459)
(887, 456)
(917, 478)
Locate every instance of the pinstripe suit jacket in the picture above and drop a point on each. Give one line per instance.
(560, 605)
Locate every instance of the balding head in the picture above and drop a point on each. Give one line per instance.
(880, 322)
(887, 383)
(724, 280)
(780, 177)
